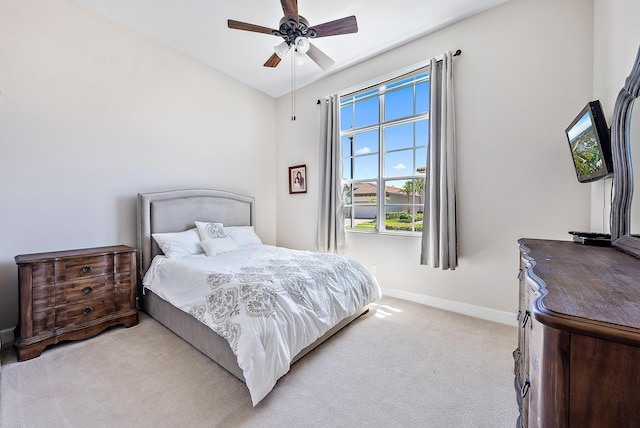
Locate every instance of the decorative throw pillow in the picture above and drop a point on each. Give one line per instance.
(242, 235)
(179, 244)
(208, 230)
(213, 247)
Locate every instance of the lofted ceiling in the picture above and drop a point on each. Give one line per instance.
(198, 28)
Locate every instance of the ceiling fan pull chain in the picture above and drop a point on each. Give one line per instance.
(293, 84)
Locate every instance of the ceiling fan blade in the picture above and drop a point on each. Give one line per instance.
(273, 61)
(319, 57)
(290, 9)
(333, 28)
(237, 25)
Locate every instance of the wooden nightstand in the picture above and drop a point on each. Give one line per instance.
(72, 295)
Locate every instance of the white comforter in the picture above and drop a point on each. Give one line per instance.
(268, 302)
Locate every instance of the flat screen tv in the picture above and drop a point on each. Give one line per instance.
(590, 144)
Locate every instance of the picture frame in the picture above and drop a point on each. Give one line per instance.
(298, 179)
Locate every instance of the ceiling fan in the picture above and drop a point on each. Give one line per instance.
(296, 32)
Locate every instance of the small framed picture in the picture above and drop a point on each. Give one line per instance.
(298, 179)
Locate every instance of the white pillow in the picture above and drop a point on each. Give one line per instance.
(242, 235)
(208, 230)
(217, 246)
(179, 244)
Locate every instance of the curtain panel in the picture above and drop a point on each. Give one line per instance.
(439, 231)
(330, 231)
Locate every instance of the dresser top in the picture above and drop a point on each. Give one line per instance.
(57, 255)
(599, 285)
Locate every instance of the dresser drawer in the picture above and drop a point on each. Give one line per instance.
(81, 313)
(83, 267)
(87, 289)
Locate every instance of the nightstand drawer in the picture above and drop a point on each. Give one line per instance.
(81, 313)
(83, 267)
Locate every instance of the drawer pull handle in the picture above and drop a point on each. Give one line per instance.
(87, 289)
(86, 269)
(525, 318)
(87, 310)
(519, 274)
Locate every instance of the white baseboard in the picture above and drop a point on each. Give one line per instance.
(6, 337)
(481, 312)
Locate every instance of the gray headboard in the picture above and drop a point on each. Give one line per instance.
(178, 210)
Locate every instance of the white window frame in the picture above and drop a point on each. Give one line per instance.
(380, 86)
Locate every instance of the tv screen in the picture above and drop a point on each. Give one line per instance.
(590, 144)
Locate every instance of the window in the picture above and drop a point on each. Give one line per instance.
(384, 138)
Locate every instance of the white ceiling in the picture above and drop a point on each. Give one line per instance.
(199, 28)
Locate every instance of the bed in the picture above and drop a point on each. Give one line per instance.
(298, 287)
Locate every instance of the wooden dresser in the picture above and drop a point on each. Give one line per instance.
(75, 294)
(578, 358)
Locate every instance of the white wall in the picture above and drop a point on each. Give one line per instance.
(616, 39)
(525, 68)
(91, 114)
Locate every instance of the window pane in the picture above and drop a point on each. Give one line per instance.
(346, 117)
(365, 167)
(399, 217)
(367, 112)
(398, 137)
(405, 192)
(364, 208)
(397, 192)
(366, 142)
(422, 97)
(364, 217)
(398, 163)
(398, 104)
(422, 133)
(365, 193)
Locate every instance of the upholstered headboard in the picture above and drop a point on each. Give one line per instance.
(178, 210)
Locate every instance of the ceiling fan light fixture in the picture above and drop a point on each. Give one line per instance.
(302, 45)
(282, 49)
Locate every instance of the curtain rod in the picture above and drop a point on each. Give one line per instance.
(438, 59)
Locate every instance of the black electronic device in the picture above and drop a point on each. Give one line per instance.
(591, 238)
(590, 144)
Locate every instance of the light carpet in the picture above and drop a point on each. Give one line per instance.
(407, 365)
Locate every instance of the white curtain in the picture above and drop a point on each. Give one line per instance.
(439, 231)
(330, 234)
